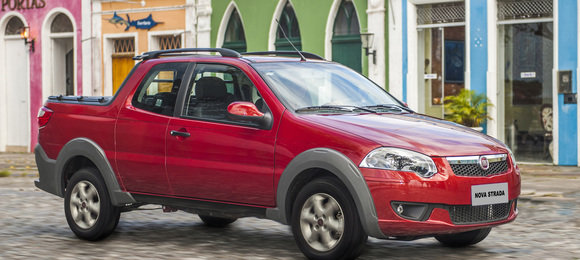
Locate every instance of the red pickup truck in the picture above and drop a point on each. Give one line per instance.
(302, 141)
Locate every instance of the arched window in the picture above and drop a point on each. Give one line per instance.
(14, 26)
(61, 24)
(235, 38)
(346, 43)
(289, 23)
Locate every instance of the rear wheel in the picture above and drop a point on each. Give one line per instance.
(463, 239)
(325, 222)
(87, 206)
(216, 221)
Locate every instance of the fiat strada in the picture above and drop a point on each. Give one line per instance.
(298, 140)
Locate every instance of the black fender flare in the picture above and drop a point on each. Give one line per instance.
(92, 151)
(341, 167)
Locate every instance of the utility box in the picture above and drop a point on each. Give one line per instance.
(564, 81)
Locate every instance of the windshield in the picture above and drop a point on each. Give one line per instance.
(308, 87)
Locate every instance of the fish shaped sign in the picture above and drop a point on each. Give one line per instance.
(145, 23)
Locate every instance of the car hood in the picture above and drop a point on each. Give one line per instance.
(424, 134)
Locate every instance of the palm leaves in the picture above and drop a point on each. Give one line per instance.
(467, 108)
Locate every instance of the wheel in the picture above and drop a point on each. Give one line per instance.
(325, 222)
(216, 221)
(463, 239)
(87, 206)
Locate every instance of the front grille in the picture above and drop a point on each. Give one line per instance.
(467, 214)
(475, 170)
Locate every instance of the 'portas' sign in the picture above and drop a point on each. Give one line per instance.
(12, 5)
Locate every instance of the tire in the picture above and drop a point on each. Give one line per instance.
(325, 221)
(216, 221)
(463, 239)
(87, 206)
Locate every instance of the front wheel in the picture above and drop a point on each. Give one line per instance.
(87, 206)
(325, 222)
(463, 239)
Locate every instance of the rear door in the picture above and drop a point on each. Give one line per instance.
(141, 127)
(210, 156)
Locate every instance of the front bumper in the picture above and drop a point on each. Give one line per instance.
(439, 201)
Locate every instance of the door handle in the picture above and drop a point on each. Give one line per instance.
(181, 134)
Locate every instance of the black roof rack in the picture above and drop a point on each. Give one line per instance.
(294, 53)
(155, 54)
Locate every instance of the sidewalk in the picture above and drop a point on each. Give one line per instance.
(539, 182)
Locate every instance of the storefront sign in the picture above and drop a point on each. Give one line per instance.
(430, 76)
(528, 75)
(146, 23)
(12, 5)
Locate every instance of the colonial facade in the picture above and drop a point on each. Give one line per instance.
(40, 55)
(522, 54)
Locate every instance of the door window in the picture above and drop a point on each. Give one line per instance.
(214, 87)
(159, 90)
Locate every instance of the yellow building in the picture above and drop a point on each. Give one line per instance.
(123, 29)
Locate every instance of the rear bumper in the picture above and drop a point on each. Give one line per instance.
(48, 180)
(443, 201)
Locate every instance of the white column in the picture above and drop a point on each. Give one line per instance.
(412, 45)
(87, 47)
(376, 25)
(190, 24)
(495, 126)
(203, 13)
(395, 16)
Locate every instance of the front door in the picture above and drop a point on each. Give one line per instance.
(16, 98)
(140, 130)
(210, 156)
(443, 62)
(122, 66)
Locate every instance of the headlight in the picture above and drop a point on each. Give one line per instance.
(400, 160)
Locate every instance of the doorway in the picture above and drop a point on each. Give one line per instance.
(16, 124)
(525, 62)
(442, 61)
(122, 60)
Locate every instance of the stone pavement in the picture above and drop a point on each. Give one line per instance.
(32, 225)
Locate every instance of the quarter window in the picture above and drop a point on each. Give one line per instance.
(214, 87)
(159, 90)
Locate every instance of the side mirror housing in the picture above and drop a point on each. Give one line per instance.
(247, 111)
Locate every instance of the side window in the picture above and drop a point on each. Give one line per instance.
(158, 92)
(214, 87)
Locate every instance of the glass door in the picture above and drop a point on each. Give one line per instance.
(525, 62)
(443, 61)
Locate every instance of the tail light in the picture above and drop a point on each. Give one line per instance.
(44, 115)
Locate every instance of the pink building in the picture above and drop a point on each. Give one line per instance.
(47, 63)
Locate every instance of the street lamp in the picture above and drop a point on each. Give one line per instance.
(367, 42)
(25, 34)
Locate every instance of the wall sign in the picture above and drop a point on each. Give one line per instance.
(145, 23)
(12, 5)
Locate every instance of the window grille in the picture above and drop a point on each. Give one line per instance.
(60, 24)
(168, 42)
(441, 13)
(526, 9)
(124, 46)
(14, 26)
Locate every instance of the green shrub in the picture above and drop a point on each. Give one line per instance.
(4, 173)
(467, 108)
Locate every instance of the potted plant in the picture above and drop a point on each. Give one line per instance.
(467, 108)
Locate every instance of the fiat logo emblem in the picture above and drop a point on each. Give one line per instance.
(483, 163)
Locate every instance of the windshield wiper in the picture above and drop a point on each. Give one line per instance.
(335, 108)
(390, 107)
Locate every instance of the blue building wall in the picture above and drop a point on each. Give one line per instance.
(478, 47)
(568, 60)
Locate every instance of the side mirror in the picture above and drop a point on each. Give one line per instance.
(247, 111)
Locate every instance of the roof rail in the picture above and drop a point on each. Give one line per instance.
(275, 53)
(155, 54)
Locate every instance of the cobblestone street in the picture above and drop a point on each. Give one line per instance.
(32, 225)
